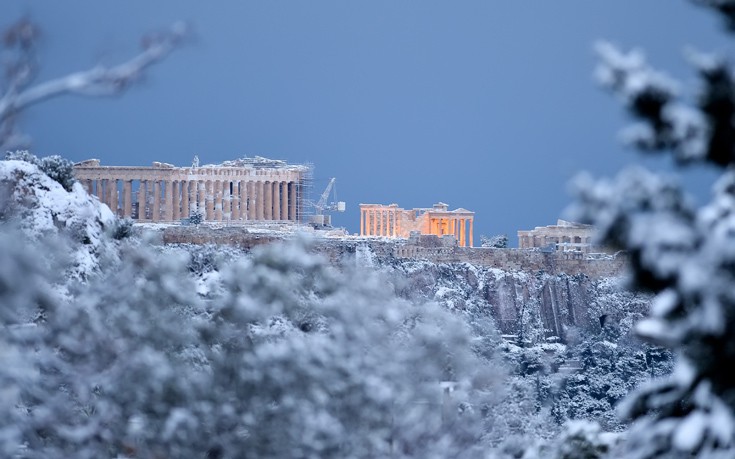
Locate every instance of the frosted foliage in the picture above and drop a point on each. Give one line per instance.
(630, 74)
(683, 254)
(583, 440)
(19, 48)
(57, 168)
(41, 207)
(653, 97)
(290, 358)
(725, 7)
(646, 214)
(499, 241)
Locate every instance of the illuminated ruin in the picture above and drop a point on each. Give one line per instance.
(394, 222)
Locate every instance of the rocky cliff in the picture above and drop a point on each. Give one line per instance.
(531, 305)
(531, 295)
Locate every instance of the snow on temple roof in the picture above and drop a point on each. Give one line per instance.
(258, 162)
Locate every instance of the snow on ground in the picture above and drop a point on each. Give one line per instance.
(41, 207)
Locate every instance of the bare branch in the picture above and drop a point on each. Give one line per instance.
(98, 81)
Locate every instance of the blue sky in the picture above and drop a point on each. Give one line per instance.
(485, 105)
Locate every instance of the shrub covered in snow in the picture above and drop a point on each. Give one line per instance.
(41, 208)
(289, 358)
(196, 218)
(122, 228)
(499, 241)
(681, 253)
(57, 168)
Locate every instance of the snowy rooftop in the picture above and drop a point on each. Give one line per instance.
(259, 162)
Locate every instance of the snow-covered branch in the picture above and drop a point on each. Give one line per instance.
(653, 98)
(725, 7)
(98, 81)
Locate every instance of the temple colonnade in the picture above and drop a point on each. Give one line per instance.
(392, 221)
(380, 221)
(167, 194)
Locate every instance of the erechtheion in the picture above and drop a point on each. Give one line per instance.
(393, 221)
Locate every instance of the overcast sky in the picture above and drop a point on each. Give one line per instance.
(485, 105)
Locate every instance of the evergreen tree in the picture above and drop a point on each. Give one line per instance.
(683, 254)
(196, 218)
(499, 241)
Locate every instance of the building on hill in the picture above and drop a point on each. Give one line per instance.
(564, 236)
(392, 221)
(247, 189)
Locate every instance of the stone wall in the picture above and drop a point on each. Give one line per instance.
(432, 249)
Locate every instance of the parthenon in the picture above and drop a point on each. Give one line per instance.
(248, 189)
(395, 222)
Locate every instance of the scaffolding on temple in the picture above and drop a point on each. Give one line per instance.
(303, 194)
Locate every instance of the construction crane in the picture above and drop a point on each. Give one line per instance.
(319, 219)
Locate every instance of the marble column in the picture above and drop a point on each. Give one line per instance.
(244, 200)
(185, 199)
(235, 201)
(113, 198)
(293, 197)
(98, 189)
(142, 201)
(462, 231)
(175, 200)
(268, 197)
(471, 222)
(259, 201)
(227, 200)
(201, 202)
(210, 200)
(156, 214)
(218, 200)
(251, 190)
(127, 198)
(168, 199)
(276, 200)
(284, 201)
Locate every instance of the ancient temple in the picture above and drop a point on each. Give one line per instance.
(249, 189)
(392, 221)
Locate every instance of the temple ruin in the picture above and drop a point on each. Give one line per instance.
(248, 189)
(394, 222)
(564, 236)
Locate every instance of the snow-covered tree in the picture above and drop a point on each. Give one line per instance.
(21, 65)
(499, 241)
(683, 254)
(58, 168)
(41, 208)
(196, 218)
(288, 357)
